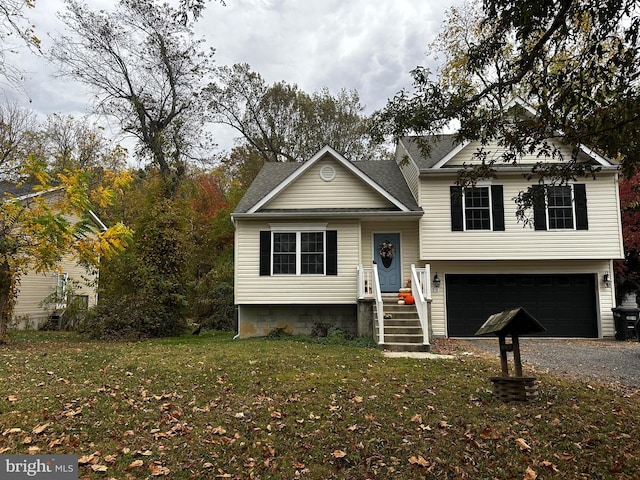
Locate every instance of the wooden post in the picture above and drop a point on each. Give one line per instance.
(504, 348)
(517, 363)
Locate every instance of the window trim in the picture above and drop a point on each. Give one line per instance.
(488, 207)
(299, 253)
(549, 208)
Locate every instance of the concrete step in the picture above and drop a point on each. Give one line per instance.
(405, 347)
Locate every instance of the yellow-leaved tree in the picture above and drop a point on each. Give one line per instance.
(47, 218)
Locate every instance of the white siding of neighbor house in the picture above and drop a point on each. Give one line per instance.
(251, 288)
(605, 296)
(603, 239)
(344, 191)
(30, 311)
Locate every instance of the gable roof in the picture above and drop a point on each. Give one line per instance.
(443, 148)
(16, 192)
(382, 176)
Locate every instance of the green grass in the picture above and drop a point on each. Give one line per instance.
(210, 407)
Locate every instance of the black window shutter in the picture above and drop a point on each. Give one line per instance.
(332, 252)
(456, 209)
(580, 196)
(265, 252)
(497, 205)
(539, 208)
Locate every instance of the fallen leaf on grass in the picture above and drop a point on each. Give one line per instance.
(339, 454)
(99, 468)
(530, 474)
(33, 450)
(12, 398)
(524, 446)
(10, 431)
(218, 430)
(87, 459)
(134, 464)
(27, 440)
(548, 464)
(419, 460)
(158, 470)
(40, 428)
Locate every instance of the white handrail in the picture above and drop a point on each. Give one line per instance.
(377, 295)
(421, 291)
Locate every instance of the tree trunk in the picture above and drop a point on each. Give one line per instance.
(6, 292)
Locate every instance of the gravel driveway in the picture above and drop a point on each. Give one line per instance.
(607, 361)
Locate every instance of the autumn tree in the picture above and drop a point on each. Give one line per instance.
(212, 199)
(627, 271)
(576, 61)
(147, 70)
(53, 221)
(285, 124)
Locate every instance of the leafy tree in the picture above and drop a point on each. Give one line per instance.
(282, 123)
(15, 30)
(211, 298)
(576, 61)
(144, 294)
(627, 271)
(36, 232)
(147, 71)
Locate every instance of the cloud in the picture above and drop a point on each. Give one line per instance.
(356, 44)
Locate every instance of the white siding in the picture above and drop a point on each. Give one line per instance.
(605, 297)
(344, 191)
(29, 310)
(251, 288)
(494, 153)
(603, 239)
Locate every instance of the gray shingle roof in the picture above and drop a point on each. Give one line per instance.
(383, 172)
(438, 146)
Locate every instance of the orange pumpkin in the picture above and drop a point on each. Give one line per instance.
(409, 300)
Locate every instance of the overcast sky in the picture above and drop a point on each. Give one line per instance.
(369, 46)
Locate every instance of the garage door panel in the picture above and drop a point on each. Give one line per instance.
(563, 303)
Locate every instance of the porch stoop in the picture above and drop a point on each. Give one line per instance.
(403, 331)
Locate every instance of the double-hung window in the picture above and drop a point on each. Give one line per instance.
(561, 207)
(477, 208)
(299, 252)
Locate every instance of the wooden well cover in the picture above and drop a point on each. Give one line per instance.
(511, 322)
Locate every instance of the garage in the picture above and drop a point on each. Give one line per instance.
(565, 304)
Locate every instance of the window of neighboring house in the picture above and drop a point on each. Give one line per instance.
(298, 253)
(477, 208)
(564, 208)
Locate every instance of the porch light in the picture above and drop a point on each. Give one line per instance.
(436, 282)
(606, 278)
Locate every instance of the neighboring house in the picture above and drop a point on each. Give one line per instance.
(328, 240)
(46, 294)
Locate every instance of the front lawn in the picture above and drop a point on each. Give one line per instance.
(210, 407)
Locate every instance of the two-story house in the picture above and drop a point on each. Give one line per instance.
(331, 241)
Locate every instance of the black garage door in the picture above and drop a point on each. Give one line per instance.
(564, 304)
